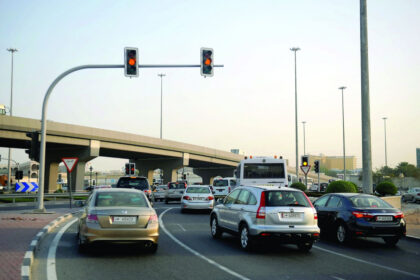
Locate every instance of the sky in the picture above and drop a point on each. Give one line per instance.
(249, 103)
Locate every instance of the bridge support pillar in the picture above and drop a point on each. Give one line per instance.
(51, 171)
(208, 174)
(146, 167)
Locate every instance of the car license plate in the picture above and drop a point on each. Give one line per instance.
(220, 190)
(289, 215)
(198, 198)
(384, 218)
(124, 220)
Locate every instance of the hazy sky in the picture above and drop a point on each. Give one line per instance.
(248, 104)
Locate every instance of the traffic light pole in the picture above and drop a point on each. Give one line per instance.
(40, 205)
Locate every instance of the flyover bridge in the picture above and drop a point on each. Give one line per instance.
(87, 143)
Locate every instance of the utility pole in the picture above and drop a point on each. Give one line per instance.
(386, 156)
(161, 101)
(366, 135)
(295, 49)
(344, 137)
(9, 177)
(304, 138)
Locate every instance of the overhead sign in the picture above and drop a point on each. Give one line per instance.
(70, 163)
(305, 169)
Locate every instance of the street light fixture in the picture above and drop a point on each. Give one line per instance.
(344, 138)
(304, 138)
(295, 49)
(12, 51)
(386, 156)
(161, 101)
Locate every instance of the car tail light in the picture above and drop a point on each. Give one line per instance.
(92, 218)
(186, 197)
(229, 190)
(315, 234)
(399, 215)
(361, 214)
(153, 219)
(265, 234)
(147, 191)
(210, 198)
(312, 206)
(261, 208)
(315, 216)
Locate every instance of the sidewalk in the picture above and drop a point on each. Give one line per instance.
(16, 232)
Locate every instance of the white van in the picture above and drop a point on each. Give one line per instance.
(223, 186)
(262, 171)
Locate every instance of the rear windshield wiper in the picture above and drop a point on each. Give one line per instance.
(299, 205)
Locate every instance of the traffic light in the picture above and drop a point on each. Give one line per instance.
(33, 151)
(131, 66)
(130, 168)
(19, 175)
(206, 64)
(316, 166)
(305, 161)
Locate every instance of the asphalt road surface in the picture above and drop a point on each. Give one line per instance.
(187, 251)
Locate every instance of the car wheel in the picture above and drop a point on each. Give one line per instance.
(166, 201)
(342, 233)
(305, 246)
(81, 245)
(391, 241)
(245, 238)
(216, 232)
(403, 199)
(152, 248)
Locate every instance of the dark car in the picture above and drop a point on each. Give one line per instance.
(323, 187)
(349, 215)
(136, 182)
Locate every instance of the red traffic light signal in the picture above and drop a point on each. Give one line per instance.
(206, 62)
(131, 66)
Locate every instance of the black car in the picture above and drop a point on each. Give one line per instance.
(349, 215)
(136, 182)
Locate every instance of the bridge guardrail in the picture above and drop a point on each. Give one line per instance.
(47, 195)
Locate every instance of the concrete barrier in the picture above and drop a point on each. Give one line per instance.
(395, 201)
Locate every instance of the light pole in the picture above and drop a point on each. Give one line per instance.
(386, 157)
(344, 138)
(295, 49)
(304, 138)
(161, 101)
(90, 181)
(12, 51)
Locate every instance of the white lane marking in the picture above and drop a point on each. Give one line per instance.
(231, 272)
(51, 271)
(367, 262)
(182, 227)
(338, 278)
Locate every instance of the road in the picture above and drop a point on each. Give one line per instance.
(187, 251)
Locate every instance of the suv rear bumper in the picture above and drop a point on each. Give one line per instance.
(297, 231)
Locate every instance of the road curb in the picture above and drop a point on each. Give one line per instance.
(29, 254)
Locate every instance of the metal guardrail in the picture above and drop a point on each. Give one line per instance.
(47, 195)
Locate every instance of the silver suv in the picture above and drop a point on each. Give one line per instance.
(264, 212)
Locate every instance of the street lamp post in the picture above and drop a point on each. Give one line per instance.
(386, 156)
(304, 138)
(12, 51)
(344, 138)
(90, 181)
(295, 49)
(161, 101)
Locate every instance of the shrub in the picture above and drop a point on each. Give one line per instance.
(341, 186)
(386, 188)
(355, 186)
(299, 186)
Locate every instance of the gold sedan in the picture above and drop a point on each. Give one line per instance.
(118, 215)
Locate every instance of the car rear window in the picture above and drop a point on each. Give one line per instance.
(368, 202)
(122, 199)
(198, 190)
(261, 171)
(285, 198)
(176, 186)
(136, 183)
(220, 183)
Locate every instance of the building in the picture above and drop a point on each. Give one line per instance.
(418, 157)
(334, 162)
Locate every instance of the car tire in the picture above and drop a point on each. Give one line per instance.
(81, 246)
(305, 246)
(166, 201)
(245, 240)
(153, 248)
(215, 230)
(391, 241)
(403, 199)
(342, 234)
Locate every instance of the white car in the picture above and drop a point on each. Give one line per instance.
(222, 187)
(197, 197)
(159, 192)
